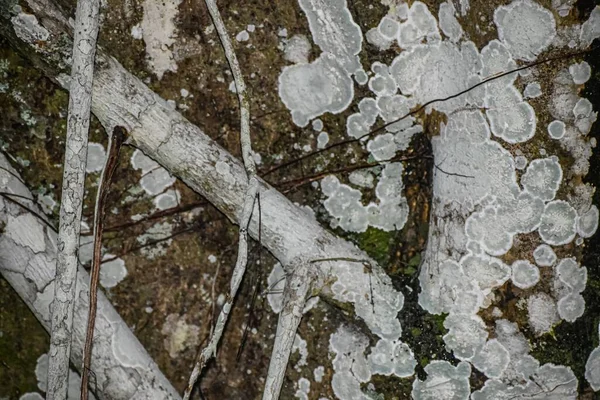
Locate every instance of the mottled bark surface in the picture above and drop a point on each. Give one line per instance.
(167, 300)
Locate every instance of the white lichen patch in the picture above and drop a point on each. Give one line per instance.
(581, 72)
(532, 90)
(444, 381)
(297, 49)
(167, 200)
(524, 274)
(325, 85)
(544, 256)
(556, 129)
(159, 33)
(361, 178)
(466, 333)
(570, 277)
(27, 27)
(448, 23)
(541, 309)
(31, 396)
(112, 272)
(157, 181)
(420, 25)
(300, 346)
(492, 359)
(571, 307)
(180, 335)
(590, 29)
(96, 155)
(546, 382)
(525, 27)
(587, 223)
(322, 140)
(47, 203)
(416, 73)
(310, 90)
(584, 115)
(359, 124)
(558, 223)
(488, 272)
(73, 380)
(303, 389)
(319, 373)
(542, 178)
(344, 203)
(521, 162)
(592, 368)
(156, 240)
(350, 364)
(142, 162)
(392, 357)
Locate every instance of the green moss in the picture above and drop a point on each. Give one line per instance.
(376, 243)
(400, 387)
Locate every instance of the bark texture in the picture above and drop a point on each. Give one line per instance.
(28, 253)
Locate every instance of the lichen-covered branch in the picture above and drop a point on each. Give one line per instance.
(290, 233)
(295, 293)
(251, 192)
(28, 250)
(78, 121)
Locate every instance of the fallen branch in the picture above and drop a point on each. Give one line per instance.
(291, 234)
(78, 123)
(28, 250)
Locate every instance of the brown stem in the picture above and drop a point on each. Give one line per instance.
(118, 138)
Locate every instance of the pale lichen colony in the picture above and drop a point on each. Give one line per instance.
(497, 193)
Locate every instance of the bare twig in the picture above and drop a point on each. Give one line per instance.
(249, 198)
(8, 196)
(115, 142)
(297, 286)
(78, 121)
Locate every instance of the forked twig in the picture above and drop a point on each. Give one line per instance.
(251, 192)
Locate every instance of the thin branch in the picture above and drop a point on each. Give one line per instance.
(8, 197)
(78, 122)
(294, 299)
(115, 141)
(249, 198)
(151, 243)
(422, 107)
(256, 284)
(296, 183)
(452, 173)
(157, 215)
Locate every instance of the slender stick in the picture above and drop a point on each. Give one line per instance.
(115, 142)
(249, 199)
(297, 286)
(78, 121)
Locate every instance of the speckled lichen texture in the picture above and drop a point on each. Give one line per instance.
(493, 287)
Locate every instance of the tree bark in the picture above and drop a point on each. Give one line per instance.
(28, 252)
